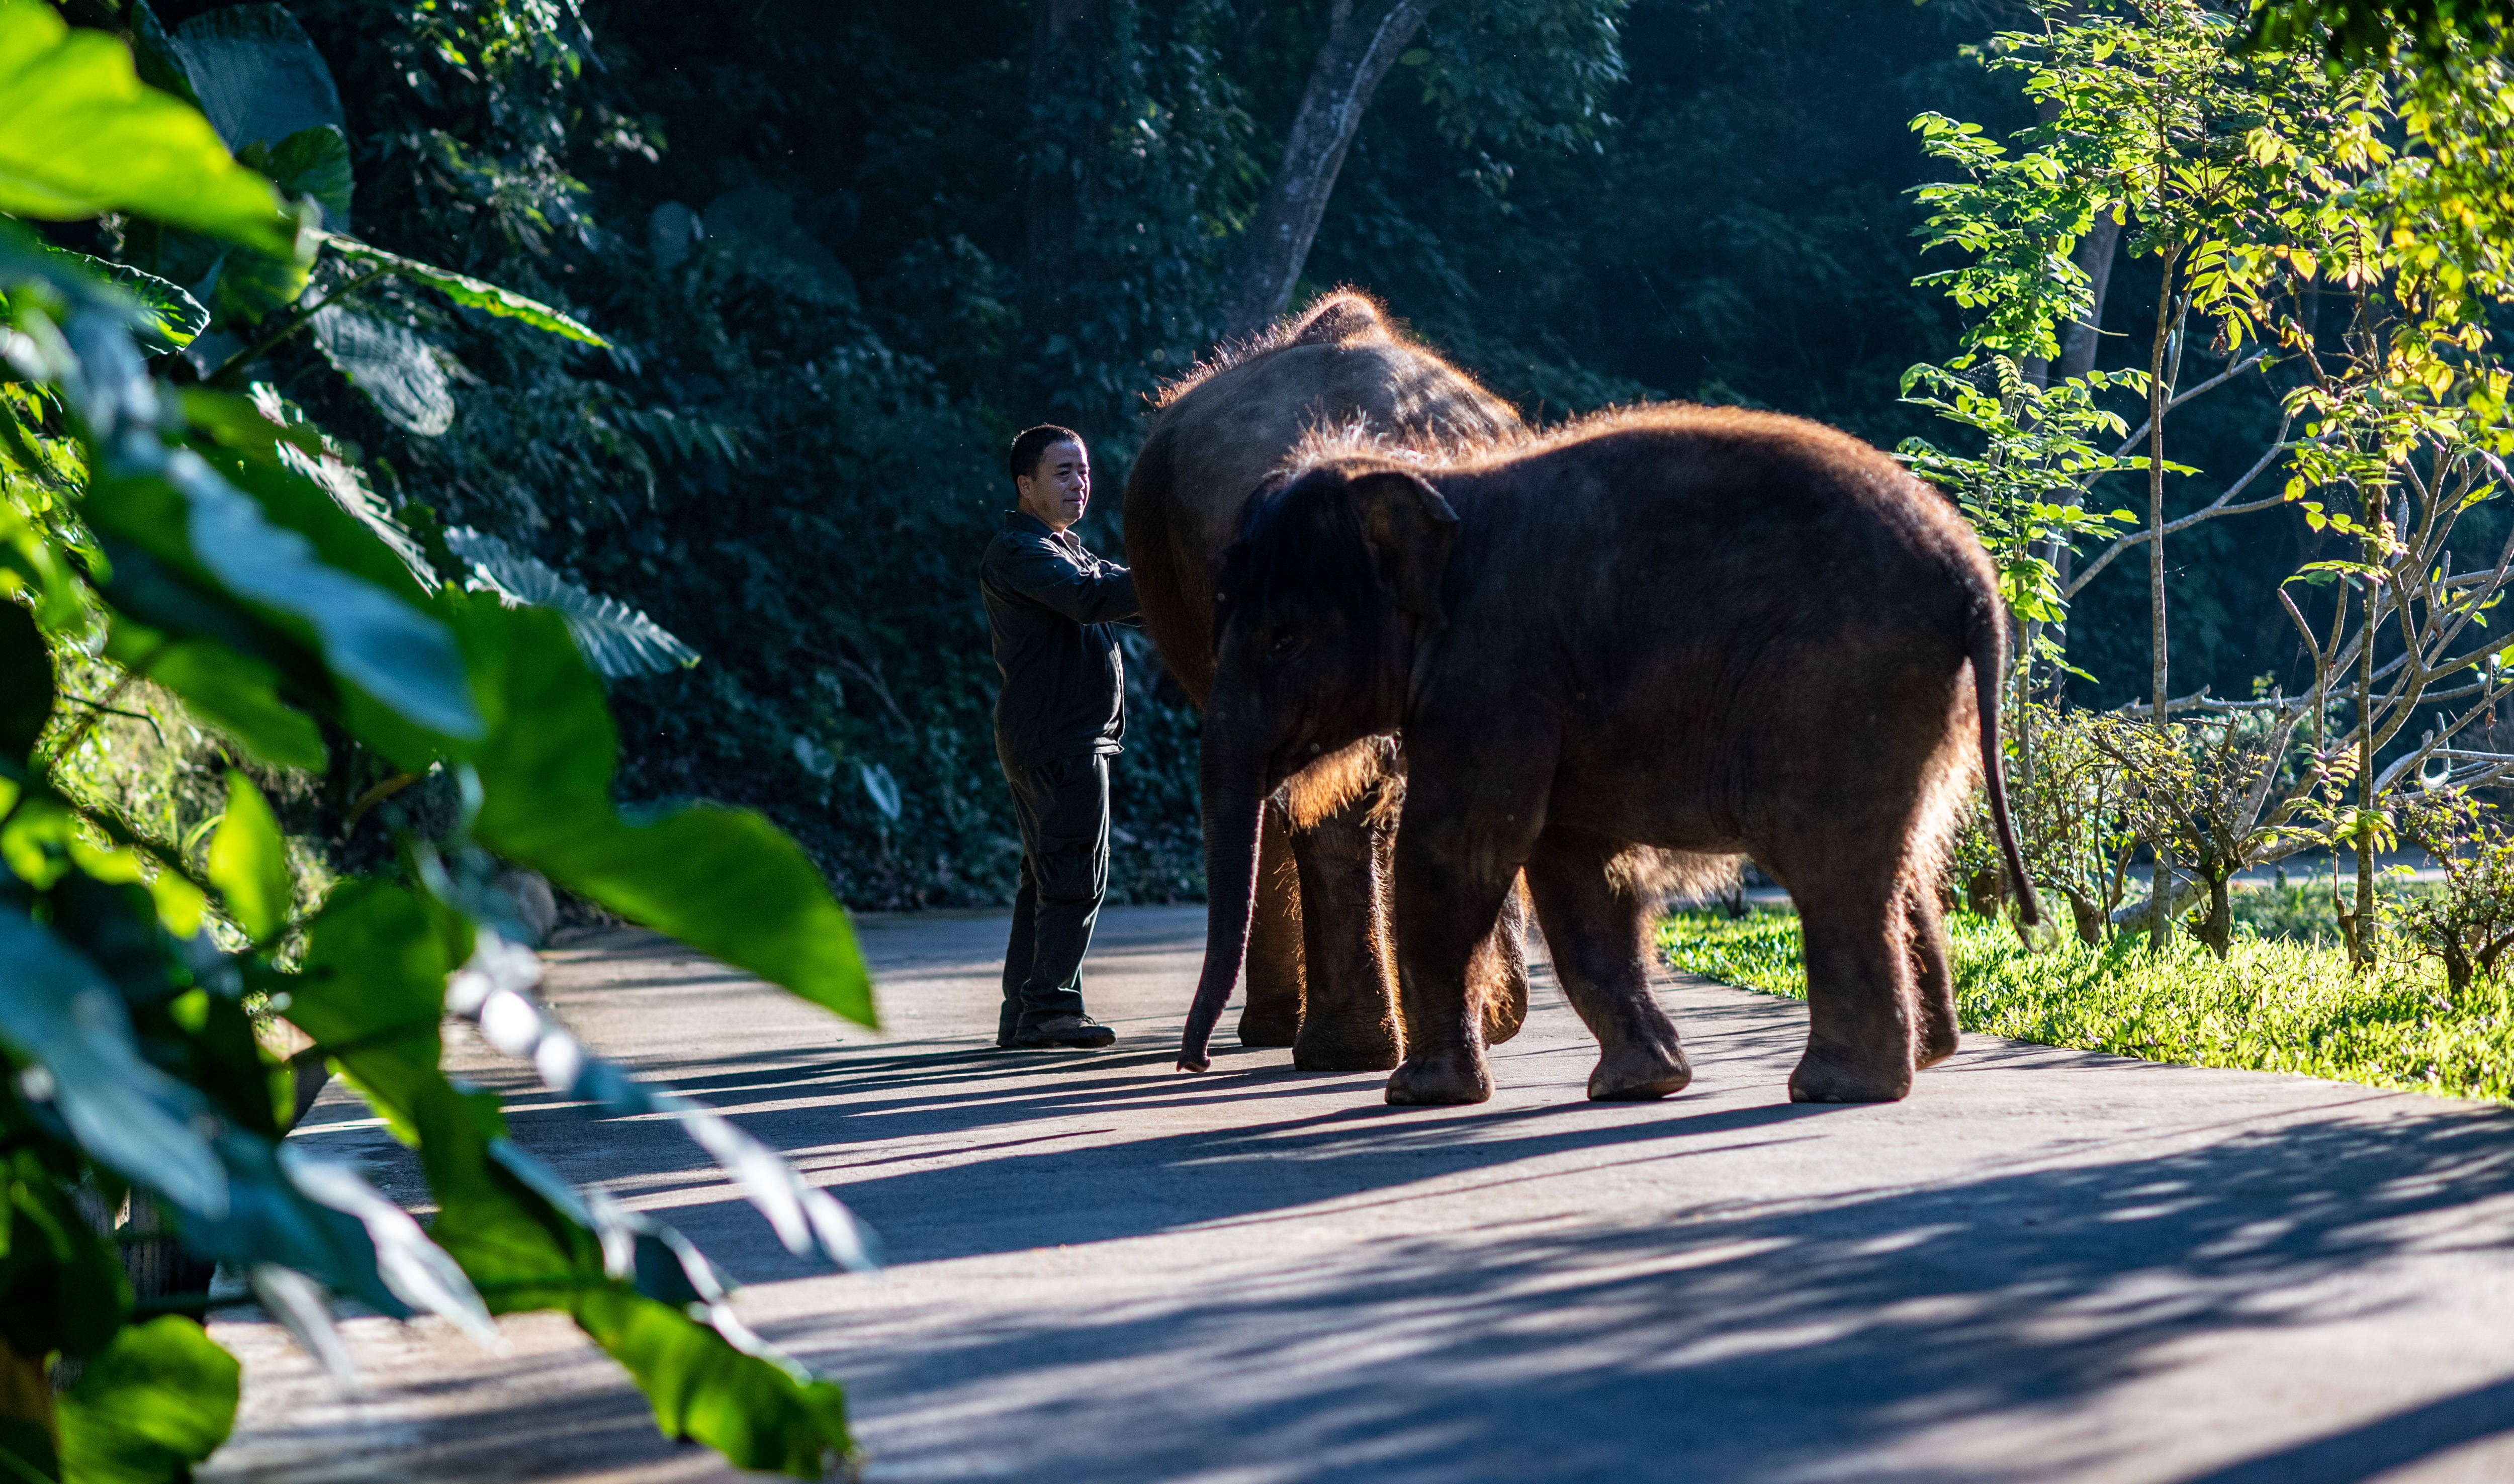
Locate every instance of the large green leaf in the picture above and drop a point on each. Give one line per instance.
(311, 162)
(463, 290)
(189, 516)
(235, 692)
(373, 992)
(61, 1283)
(417, 1273)
(57, 1009)
(618, 640)
(263, 447)
(152, 51)
(212, 544)
(758, 1413)
(159, 1400)
(169, 318)
(249, 861)
(80, 133)
(494, 992)
(258, 74)
(724, 881)
(156, 313)
(390, 364)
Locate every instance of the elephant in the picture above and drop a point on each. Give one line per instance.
(1320, 977)
(1618, 649)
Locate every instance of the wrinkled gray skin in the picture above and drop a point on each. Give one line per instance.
(1670, 633)
(1321, 972)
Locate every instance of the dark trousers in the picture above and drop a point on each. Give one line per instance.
(1064, 810)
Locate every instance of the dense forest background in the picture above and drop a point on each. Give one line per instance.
(846, 252)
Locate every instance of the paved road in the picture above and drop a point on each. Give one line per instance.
(2045, 1264)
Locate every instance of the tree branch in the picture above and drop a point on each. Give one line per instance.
(1363, 45)
(2209, 511)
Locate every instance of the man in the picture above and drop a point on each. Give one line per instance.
(1062, 712)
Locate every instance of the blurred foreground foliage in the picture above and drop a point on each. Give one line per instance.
(203, 563)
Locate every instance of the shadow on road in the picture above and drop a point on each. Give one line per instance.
(1794, 1340)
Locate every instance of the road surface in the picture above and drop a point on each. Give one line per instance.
(2045, 1264)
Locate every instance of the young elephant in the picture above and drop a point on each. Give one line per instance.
(1674, 629)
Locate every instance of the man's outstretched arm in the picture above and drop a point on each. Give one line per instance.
(1039, 574)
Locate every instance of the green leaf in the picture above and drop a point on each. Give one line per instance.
(237, 694)
(374, 980)
(189, 516)
(160, 315)
(265, 449)
(392, 366)
(727, 882)
(311, 162)
(152, 50)
(249, 861)
(258, 74)
(463, 290)
(159, 1400)
(25, 682)
(59, 1008)
(61, 1283)
(758, 1413)
(617, 640)
(169, 319)
(374, 987)
(80, 133)
(252, 286)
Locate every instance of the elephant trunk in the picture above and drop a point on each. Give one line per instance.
(1235, 803)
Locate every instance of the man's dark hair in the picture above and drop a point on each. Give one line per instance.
(1036, 441)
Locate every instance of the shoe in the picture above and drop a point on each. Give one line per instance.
(1080, 1031)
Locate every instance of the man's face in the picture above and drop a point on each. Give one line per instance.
(1058, 492)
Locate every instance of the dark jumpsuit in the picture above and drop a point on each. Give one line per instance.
(1050, 604)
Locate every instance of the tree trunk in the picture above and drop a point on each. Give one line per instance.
(2089, 917)
(1362, 43)
(2159, 922)
(2360, 940)
(2219, 932)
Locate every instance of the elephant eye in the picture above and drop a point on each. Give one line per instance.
(1284, 640)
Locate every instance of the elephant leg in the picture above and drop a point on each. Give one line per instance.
(1497, 977)
(1851, 909)
(1599, 930)
(1272, 1015)
(1933, 979)
(1448, 895)
(1348, 1019)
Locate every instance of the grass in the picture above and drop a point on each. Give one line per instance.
(2274, 1004)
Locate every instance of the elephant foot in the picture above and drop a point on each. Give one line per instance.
(1321, 1048)
(1260, 1029)
(1820, 1079)
(1638, 1073)
(1439, 1077)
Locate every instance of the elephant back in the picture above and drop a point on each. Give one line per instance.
(1226, 424)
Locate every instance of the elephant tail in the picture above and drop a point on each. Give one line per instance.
(1986, 645)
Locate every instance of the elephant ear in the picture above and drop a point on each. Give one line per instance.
(1410, 531)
